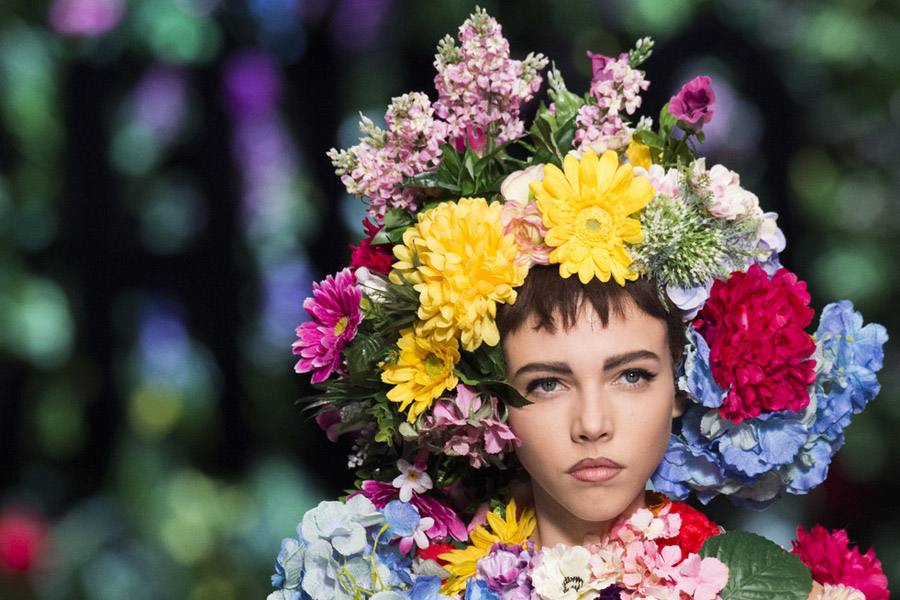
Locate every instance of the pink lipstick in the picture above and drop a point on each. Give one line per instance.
(595, 470)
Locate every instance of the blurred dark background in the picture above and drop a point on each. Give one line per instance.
(166, 203)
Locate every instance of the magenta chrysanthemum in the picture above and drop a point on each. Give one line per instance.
(335, 314)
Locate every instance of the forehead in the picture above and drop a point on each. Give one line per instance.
(586, 336)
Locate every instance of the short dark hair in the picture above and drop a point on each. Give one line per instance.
(547, 296)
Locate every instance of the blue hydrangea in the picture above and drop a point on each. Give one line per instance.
(343, 551)
(757, 461)
(477, 589)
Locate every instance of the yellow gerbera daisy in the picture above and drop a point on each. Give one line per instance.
(462, 265)
(505, 530)
(422, 372)
(586, 209)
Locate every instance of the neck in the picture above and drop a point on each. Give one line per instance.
(556, 525)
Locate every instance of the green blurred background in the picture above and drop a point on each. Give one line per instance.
(166, 202)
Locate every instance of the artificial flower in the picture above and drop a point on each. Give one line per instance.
(507, 570)
(509, 530)
(375, 257)
(695, 528)
(724, 197)
(335, 314)
(446, 521)
(586, 209)
(412, 478)
(479, 86)
(521, 217)
(421, 373)
(840, 592)
(759, 351)
(564, 573)
(462, 265)
(832, 561)
(692, 105)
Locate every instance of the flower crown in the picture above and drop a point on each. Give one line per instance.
(463, 200)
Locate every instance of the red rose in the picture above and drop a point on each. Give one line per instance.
(831, 560)
(696, 528)
(375, 257)
(758, 349)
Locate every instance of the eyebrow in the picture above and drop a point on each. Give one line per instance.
(609, 364)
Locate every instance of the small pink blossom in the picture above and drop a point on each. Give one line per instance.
(692, 105)
(412, 478)
(702, 578)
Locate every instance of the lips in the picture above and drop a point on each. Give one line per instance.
(595, 470)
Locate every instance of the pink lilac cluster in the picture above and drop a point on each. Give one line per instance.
(616, 86)
(376, 166)
(467, 425)
(480, 88)
(648, 568)
(335, 314)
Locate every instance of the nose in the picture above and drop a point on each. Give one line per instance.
(592, 417)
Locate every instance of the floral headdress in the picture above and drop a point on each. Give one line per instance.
(463, 200)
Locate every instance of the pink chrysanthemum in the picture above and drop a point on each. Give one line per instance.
(758, 348)
(832, 561)
(335, 311)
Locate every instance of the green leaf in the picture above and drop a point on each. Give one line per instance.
(758, 569)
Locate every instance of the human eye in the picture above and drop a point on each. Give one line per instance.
(542, 385)
(636, 377)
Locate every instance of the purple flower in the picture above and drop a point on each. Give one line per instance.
(335, 312)
(692, 105)
(506, 570)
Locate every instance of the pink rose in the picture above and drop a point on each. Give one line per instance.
(692, 105)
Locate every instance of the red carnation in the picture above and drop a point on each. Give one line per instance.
(758, 349)
(433, 551)
(696, 528)
(831, 560)
(375, 257)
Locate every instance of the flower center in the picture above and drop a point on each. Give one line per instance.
(340, 326)
(434, 366)
(572, 582)
(596, 225)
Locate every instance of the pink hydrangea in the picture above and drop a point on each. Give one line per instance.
(335, 314)
(692, 105)
(832, 561)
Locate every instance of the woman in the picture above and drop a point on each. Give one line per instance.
(550, 333)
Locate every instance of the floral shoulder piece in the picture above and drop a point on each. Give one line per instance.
(354, 550)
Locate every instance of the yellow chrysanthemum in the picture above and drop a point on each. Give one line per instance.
(506, 530)
(422, 372)
(586, 209)
(462, 265)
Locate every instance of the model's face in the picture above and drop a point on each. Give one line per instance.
(603, 402)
